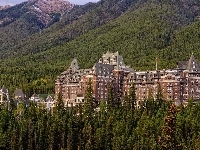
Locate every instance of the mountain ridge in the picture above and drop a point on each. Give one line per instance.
(43, 9)
(4, 7)
(78, 21)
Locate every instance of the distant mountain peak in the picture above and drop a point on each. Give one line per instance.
(45, 8)
(4, 7)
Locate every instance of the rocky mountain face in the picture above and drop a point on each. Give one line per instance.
(30, 17)
(4, 7)
(46, 10)
(43, 10)
(72, 21)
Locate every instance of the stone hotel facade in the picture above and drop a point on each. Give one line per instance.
(178, 84)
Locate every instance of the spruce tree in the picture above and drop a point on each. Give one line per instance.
(159, 95)
(168, 140)
(88, 101)
(111, 98)
(126, 102)
(59, 103)
(12, 105)
(132, 96)
(88, 129)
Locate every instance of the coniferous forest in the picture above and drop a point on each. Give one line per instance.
(141, 30)
(114, 124)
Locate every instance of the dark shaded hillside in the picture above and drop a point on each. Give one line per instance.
(23, 20)
(11, 14)
(21, 28)
(148, 29)
(184, 42)
(15, 23)
(78, 21)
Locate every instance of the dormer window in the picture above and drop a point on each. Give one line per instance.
(192, 91)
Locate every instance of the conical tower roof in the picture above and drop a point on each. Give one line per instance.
(4, 90)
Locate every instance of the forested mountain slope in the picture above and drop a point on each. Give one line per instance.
(78, 21)
(148, 29)
(23, 20)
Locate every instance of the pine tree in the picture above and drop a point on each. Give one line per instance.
(88, 101)
(109, 133)
(159, 95)
(168, 140)
(132, 96)
(59, 105)
(12, 105)
(126, 102)
(111, 98)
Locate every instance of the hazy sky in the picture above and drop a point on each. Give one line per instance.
(13, 2)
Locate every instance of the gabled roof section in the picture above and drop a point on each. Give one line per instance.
(112, 59)
(182, 65)
(116, 60)
(45, 96)
(19, 92)
(35, 95)
(74, 65)
(193, 65)
(49, 98)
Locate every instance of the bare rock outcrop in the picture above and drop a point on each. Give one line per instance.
(45, 9)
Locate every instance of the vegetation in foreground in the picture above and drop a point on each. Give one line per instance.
(156, 124)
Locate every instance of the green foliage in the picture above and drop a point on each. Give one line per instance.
(33, 127)
(89, 101)
(59, 105)
(168, 139)
(132, 97)
(111, 98)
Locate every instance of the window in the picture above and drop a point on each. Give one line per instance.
(169, 92)
(169, 88)
(192, 91)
